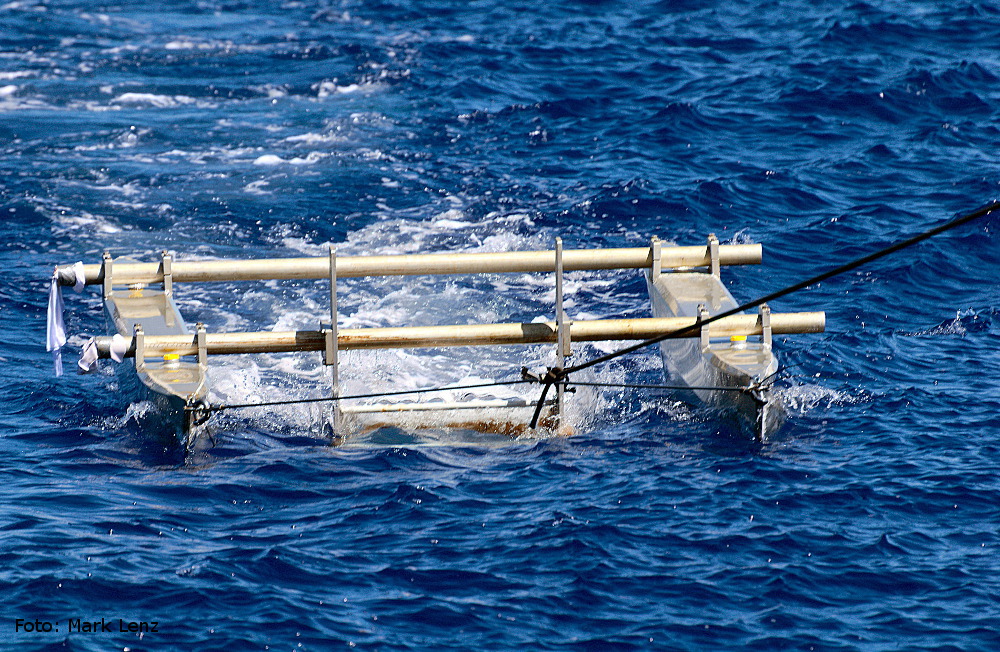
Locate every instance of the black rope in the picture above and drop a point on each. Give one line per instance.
(556, 374)
(294, 401)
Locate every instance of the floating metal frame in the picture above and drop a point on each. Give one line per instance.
(653, 257)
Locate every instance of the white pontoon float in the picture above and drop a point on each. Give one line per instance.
(715, 362)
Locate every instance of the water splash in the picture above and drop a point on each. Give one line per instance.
(965, 321)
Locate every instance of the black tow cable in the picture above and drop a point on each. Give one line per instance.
(552, 376)
(556, 374)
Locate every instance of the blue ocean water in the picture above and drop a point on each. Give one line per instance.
(823, 130)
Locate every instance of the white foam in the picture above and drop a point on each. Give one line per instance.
(316, 139)
(954, 327)
(275, 91)
(85, 221)
(188, 44)
(256, 188)
(801, 399)
(159, 101)
(15, 103)
(329, 88)
(308, 159)
(269, 159)
(274, 159)
(130, 189)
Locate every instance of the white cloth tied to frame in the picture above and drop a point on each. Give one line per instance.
(55, 327)
(81, 277)
(119, 345)
(88, 360)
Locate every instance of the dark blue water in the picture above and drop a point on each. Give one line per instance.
(239, 129)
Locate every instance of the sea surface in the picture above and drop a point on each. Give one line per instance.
(823, 129)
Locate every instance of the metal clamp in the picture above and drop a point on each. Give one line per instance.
(166, 265)
(140, 349)
(330, 350)
(764, 315)
(702, 316)
(713, 255)
(656, 256)
(201, 336)
(106, 274)
(562, 324)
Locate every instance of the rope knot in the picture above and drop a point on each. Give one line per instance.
(551, 376)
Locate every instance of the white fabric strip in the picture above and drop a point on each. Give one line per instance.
(55, 329)
(88, 359)
(81, 276)
(119, 345)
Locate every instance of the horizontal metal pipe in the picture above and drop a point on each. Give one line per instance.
(125, 273)
(464, 335)
(430, 406)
